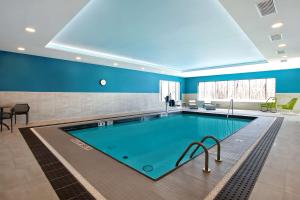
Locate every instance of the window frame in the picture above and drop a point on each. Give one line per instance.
(177, 90)
(229, 89)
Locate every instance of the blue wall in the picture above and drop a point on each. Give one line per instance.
(20, 72)
(287, 81)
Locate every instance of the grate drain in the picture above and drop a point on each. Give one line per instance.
(240, 185)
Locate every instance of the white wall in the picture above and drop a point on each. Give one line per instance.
(66, 105)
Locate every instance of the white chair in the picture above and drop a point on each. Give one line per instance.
(193, 104)
(209, 106)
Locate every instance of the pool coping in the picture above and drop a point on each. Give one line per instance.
(218, 114)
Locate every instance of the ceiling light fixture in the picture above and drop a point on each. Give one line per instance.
(281, 45)
(277, 25)
(21, 49)
(284, 56)
(116, 64)
(30, 29)
(78, 58)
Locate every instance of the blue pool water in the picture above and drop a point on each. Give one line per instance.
(152, 147)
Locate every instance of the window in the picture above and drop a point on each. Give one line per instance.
(241, 90)
(271, 85)
(209, 90)
(169, 88)
(258, 89)
(221, 90)
(201, 90)
(230, 89)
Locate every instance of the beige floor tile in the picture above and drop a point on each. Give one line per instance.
(291, 196)
(263, 191)
(21, 177)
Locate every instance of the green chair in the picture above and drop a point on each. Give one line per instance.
(290, 105)
(270, 105)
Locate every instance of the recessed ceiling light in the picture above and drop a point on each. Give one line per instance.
(284, 56)
(30, 29)
(143, 68)
(277, 25)
(21, 49)
(78, 58)
(282, 45)
(116, 64)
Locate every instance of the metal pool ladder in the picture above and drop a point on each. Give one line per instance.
(198, 145)
(230, 107)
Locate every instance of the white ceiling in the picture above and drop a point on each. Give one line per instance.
(49, 17)
(174, 34)
(259, 28)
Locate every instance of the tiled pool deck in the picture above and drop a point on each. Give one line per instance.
(22, 178)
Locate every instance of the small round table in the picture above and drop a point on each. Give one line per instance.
(1, 120)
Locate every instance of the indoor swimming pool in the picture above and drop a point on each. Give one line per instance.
(152, 145)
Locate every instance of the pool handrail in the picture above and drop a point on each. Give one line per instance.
(230, 108)
(218, 159)
(199, 144)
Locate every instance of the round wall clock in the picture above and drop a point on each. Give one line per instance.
(102, 82)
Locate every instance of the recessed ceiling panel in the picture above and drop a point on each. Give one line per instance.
(178, 34)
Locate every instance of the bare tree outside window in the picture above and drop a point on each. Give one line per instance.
(241, 90)
(210, 90)
(271, 85)
(258, 89)
(230, 89)
(221, 90)
(201, 91)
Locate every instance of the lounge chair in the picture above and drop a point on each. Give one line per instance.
(290, 105)
(193, 104)
(209, 106)
(6, 115)
(269, 105)
(200, 104)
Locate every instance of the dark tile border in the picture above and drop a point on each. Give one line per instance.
(63, 182)
(241, 184)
